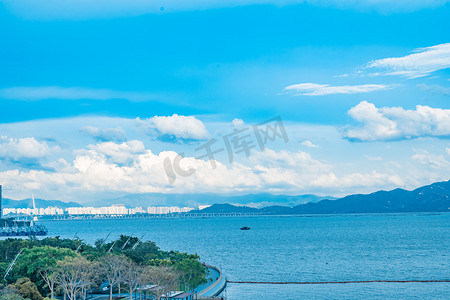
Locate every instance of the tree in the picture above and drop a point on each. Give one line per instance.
(49, 276)
(90, 275)
(38, 264)
(9, 293)
(132, 277)
(143, 280)
(143, 251)
(164, 278)
(75, 275)
(192, 273)
(27, 289)
(3, 267)
(72, 244)
(55, 264)
(112, 267)
(10, 247)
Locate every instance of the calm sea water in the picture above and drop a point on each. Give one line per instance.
(303, 248)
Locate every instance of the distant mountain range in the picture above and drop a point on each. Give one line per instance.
(430, 198)
(40, 203)
(194, 200)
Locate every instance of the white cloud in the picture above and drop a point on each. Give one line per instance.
(431, 160)
(447, 150)
(435, 89)
(85, 9)
(118, 153)
(299, 171)
(105, 134)
(355, 180)
(421, 63)
(314, 89)
(309, 144)
(237, 123)
(287, 159)
(175, 127)
(130, 168)
(71, 93)
(395, 123)
(22, 149)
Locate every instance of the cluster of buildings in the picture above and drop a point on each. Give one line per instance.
(115, 209)
(34, 211)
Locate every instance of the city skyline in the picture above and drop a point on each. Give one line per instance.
(114, 209)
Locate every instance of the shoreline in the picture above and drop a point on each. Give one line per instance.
(211, 216)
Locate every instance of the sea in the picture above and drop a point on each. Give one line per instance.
(312, 248)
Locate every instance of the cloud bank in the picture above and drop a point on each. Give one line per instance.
(131, 168)
(397, 123)
(421, 63)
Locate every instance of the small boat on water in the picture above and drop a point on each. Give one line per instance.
(245, 228)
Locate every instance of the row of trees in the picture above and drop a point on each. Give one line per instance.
(75, 276)
(73, 268)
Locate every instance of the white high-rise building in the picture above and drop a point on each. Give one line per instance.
(162, 210)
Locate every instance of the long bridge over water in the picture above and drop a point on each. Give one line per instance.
(146, 216)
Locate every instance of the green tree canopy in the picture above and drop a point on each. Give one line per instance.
(41, 259)
(27, 289)
(192, 273)
(31, 261)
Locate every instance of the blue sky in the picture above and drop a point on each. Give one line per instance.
(94, 95)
